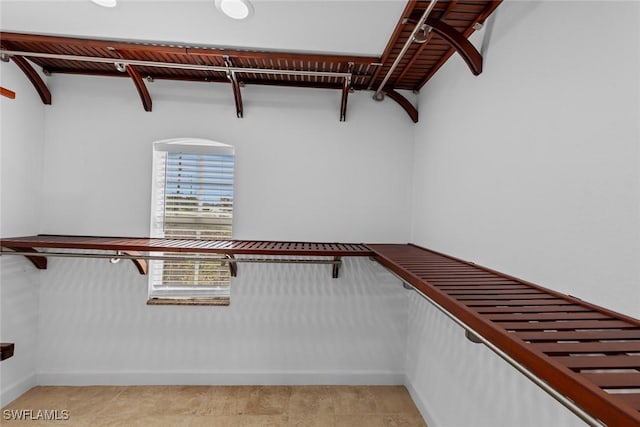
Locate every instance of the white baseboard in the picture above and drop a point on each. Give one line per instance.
(12, 392)
(221, 378)
(420, 403)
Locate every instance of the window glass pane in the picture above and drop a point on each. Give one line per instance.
(195, 201)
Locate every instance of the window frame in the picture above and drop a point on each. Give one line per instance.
(158, 293)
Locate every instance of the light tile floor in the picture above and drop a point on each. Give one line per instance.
(339, 406)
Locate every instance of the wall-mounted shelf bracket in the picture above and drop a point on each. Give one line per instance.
(6, 350)
(141, 260)
(31, 74)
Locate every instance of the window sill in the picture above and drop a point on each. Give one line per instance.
(189, 301)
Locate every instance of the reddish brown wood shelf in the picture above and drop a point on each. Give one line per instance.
(145, 244)
(587, 353)
(137, 246)
(6, 350)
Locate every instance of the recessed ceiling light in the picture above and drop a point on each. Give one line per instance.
(106, 3)
(236, 9)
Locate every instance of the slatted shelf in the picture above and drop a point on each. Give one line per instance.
(231, 247)
(587, 353)
(133, 247)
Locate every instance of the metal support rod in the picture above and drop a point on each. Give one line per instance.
(566, 402)
(217, 68)
(284, 261)
(119, 255)
(417, 28)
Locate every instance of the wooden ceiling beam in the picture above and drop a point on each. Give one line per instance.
(404, 103)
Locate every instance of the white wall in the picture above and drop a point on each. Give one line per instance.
(300, 175)
(456, 383)
(531, 168)
(21, 147)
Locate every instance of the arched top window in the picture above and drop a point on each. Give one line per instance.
(192, 198)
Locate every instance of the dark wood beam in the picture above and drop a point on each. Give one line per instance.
(31, 74)
(140, 87)
(404, 103)
(481, 18)
(457, 40)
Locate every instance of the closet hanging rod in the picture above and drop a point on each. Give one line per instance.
(378, 95)
(187, 256)
(197, 67)
(475, 337)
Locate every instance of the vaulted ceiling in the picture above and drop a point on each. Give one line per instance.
(425, 36)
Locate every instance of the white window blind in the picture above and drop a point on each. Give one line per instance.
(192, 199)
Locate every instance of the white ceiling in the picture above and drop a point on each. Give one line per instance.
(360, 27)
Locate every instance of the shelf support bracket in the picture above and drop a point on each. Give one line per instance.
(404, 103)
(346, 88)
(141, 264)
(40, 262)
(31, 73)
(469, 53)
(233, 265)
(337, 263)
(140, 87)
(237, 95)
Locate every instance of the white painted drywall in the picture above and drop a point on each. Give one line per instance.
(456, 383)
(300, 175)
(21, 147)
(531, 168)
